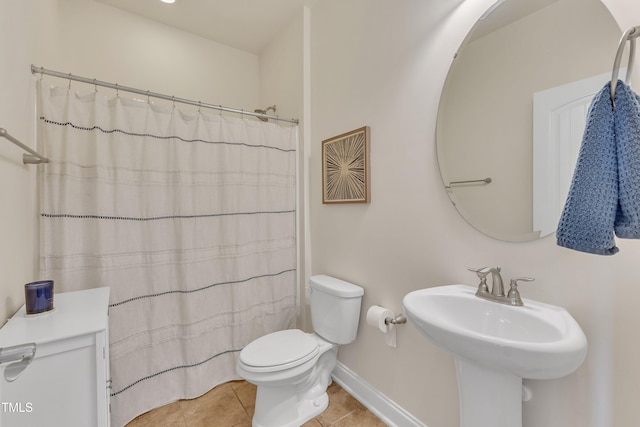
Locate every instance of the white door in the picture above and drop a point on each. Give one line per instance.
(559, 117)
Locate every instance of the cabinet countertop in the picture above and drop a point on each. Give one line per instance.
(75, 313)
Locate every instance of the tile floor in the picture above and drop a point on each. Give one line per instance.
(231, 405)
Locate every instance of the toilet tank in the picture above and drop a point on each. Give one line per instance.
(335, 308)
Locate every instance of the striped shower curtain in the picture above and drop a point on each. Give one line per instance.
(190, 219)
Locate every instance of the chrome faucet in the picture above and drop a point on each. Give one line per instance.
(497, 286)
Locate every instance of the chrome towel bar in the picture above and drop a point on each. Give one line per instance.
(631, 35)
(33, 158)
(470, 181)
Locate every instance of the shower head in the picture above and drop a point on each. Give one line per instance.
(265, 111)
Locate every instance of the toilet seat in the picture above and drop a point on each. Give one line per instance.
(279, 351)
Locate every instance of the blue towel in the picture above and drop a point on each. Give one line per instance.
(604, 197)
(627, 131)
(589, 213)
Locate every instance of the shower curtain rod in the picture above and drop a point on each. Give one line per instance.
(147, 93)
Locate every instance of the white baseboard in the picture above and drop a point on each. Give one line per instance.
(383, 407)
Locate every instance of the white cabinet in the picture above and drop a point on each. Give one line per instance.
(66, 383)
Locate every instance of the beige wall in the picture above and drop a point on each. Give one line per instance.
(383, 64)
(17, 189)
(281, 70)
(95, 40)
(281, 83)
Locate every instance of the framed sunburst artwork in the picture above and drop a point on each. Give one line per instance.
(345, 168)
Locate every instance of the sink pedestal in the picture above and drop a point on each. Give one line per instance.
(495, 346)
(488, 398)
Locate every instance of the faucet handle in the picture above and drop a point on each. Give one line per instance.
(514, 295)
(482, 273)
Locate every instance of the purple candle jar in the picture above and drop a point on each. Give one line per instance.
(38, 296)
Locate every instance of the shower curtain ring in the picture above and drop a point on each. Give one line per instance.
(117, 91)
(199, 107)
(148, 97)
(69, 87)
(95, 86)
(173, 101)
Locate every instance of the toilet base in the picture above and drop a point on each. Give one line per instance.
(276, 412)
(293, 397)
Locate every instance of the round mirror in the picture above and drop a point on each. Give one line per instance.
(513, 109)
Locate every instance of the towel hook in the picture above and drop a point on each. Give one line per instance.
(630, 34)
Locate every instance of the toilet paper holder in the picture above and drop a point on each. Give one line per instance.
(400, 319)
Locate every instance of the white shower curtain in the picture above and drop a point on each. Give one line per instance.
(190, 219)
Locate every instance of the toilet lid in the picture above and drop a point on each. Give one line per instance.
(280, 348)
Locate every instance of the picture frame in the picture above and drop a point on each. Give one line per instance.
(345, 167)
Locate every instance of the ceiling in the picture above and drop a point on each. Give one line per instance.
(248, 25)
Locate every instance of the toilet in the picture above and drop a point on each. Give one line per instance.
(291, 368)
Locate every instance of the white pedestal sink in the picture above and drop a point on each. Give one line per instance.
(495, 346)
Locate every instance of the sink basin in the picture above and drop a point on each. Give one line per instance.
(537, 341)
(495, 346)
